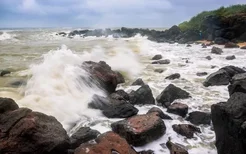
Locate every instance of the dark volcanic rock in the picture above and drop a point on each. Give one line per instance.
(208, 58)
(238, 84)
(230, 57)
(186, 130)
(138, 82)
(198, 118)
(107, 143)
(159, 70)
(4, 72)
(84, 134)
(175, 149)
(119, 78)
(220, 41)
(146, 152)
(216, 50)
(157, 57)
(165, 61)
(24, 131)
(229, 124)
(201, 73)
(7, 104)
(173, 76)
(188, 45)
(103, 75)
(142, 96)
(204, 45)
(178, 108)
(17, 83)
(159, 113)
(222, 76)
(141, 129)
(120, 93)
(171, 93)
(231, 45)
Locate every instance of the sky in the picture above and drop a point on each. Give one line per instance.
(103, 13)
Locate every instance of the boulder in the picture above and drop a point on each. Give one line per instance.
(7, 104)
(222, 76)
(159, 113)
(188, 45)
(107, 143)
(175, 148)
(25, 131)
(238, 84)
(231, 45)
(230, 57)
(159, 70)
(165, 61)
(186, 130)
(229, 124)
(199, 118)
(138, 82)
(243, 47)
(120, 93)
(102, 75)
(178, 108)
(216, 50)
(82, 135)
(157, 57)
(119, 77)
(141, 129)
(4, 72)
(204, 45)
(201, 73)
(142, 96)
(208, 58)
(173, 76)
(171, 93)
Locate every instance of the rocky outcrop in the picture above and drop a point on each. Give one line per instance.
(238, 84)
(165, 61)
(178, 108)
(82, 135)
(107, 143)
(171, 93)
(157, 57)
(159, 113)
(229, 124)
(198, 118)
(216, 50)
(25, 131)
(141, 129)
(142, 96)
(186, 130)
(222, 76)
(138, 82)
(102, 75)
(173, 76)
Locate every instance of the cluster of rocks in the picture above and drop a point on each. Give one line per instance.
(25, 131)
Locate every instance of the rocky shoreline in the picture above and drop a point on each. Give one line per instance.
(25, 131)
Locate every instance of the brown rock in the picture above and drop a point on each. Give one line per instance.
(106, 143)
(178, 108)
(186, 130)
(231, 45)
(141, 129)
(7, 104)
(176, 149)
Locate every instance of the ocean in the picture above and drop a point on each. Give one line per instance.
(48, 67)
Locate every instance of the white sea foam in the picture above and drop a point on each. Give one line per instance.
(5, 36)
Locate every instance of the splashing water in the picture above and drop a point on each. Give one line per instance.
(5, 36)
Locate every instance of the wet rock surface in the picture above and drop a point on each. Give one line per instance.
(138, 82)
(142, 96)
(157, 57)
(173, 76)
(198, 118)
(171, 93)
(141, 129)
(159, 113)
(216, 50)
(165, 61)
(107, 143)
(230, 57)
(201, 73)
(186, 130)
(238, 84)
(178, 108)
(159, 70)
(175, 149)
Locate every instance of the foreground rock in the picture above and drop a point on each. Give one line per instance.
(222, 76)
(230, 57)
(7, 104)
(142, 96)
(159, 113)
(216, 50)
(229, 124)
(141, 129)
(102, 75)
(173, 76)
(171, 93)
(84, 134)
(138, 82)
(113, 107)
(231, 45)
(186, 130)
(238, 84)
(107, 143)
(157, 57)
(178, 108)
(165, 61)
(25, 131)
(198, 118)
(176, 149)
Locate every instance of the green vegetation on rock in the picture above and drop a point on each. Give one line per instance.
(196, 21)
